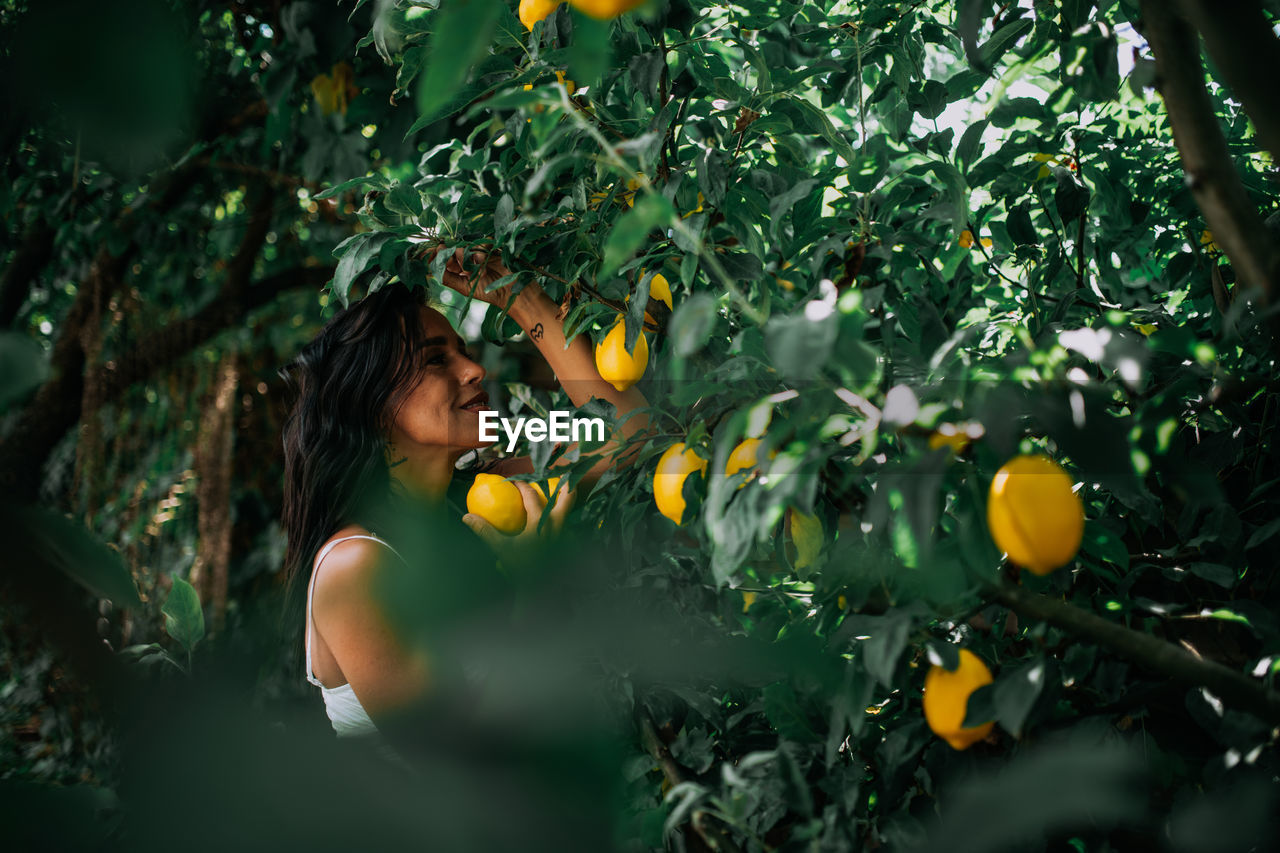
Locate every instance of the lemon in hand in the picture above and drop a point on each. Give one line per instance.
(946, 700)
(1033, 514)
(498, 502)
(620, 368)
(675, 465)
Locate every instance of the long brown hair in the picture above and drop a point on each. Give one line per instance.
(347, 385)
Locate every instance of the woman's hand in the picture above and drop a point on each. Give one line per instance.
(487, 267)
(508, 547)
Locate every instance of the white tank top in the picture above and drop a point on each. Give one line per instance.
(345, 711)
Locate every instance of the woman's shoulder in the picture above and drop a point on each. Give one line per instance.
(347, 560)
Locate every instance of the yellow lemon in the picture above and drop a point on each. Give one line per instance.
(748, 599)
(955, 436)
(532, 11)
(742, 457)
(808, 536)
(498, 501)
(1033, 515)
(946, 699)
(1145, 328)
(620, 368)
(660, 289)
(569, 85)
(677, 463)
(605, 9)
(551, 488)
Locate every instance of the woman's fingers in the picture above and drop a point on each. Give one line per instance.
(532, 504)
(485, 531)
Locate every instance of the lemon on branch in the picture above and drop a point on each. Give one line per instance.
(946, 700)
(497, 501)
(1033, 514)
(675, 465)
(605, 9)
(532, 11)
(620, 368)
(551, 488)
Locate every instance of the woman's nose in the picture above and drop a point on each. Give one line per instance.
(472, 371)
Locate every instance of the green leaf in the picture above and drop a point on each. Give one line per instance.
(38, 538)
(632, 229)
(818, 119)
(691, 324)
(1016, 692)
(463, 32)
(377, 181)
(183, 616)
(883, 649)
(357, 254)
(799, 347)
(1069, 197)
(23, 367)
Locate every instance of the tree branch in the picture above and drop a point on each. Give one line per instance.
(712, 835)
(1210, 173)
(1147, 651)
(182, 336)
(1247, 53)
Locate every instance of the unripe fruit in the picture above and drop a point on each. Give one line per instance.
(1033, 514)
(498, 501)
(946, 700)
(676, 464)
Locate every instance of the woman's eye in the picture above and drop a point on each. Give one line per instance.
(437, 359)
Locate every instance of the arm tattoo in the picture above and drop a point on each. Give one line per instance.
(536, 332)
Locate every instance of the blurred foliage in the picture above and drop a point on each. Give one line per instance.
(882, 223)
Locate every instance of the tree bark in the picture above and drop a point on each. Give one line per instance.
(213, 463)
(1174, 662)
(1246, 52)
(1210, 173)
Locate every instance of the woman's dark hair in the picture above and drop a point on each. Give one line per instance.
(347, 383)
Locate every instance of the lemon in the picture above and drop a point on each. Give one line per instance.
(660, 289)
(946, 699)
(743, 456)
(620, 368)
(498, 502)
(605, 9)
(1033, 515)
(955, 436)
(551, 488)
(532, 11)
(677, 463)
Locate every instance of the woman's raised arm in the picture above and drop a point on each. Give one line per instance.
(574, 366)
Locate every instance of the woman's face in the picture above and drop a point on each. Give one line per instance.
(444, 409)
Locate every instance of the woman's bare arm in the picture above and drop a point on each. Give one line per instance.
(384, 673)
(575, 369)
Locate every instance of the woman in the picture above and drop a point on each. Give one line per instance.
(388, 401)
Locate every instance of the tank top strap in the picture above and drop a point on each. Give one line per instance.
(324, 552)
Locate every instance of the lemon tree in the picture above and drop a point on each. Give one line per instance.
(957, 496)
